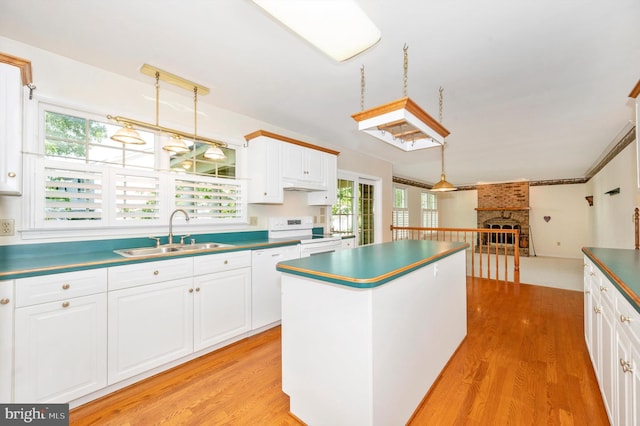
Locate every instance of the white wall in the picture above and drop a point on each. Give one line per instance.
(568, 228)
(85, 87)
(611, 216)
(456, 209)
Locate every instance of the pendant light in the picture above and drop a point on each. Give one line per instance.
(128, 135)
(214, 153)
(176, 143)
(443, 185)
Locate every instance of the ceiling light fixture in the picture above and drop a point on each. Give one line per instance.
(401, 123)
(443, 185)
(339, 28)
(176, 143)
(128, 135)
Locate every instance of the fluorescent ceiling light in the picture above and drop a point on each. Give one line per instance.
(339, 28)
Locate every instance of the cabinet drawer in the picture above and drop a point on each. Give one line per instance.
(627, 317)
(148, 273)
(221, 262)
(50, 288)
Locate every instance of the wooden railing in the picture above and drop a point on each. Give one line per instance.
(636, 219)
(492, 247)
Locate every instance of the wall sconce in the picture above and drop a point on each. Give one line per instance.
(589, 199)
(614, 191)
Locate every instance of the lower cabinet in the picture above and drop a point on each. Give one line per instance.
(612, 334)
(76, 333)
(149, 326)
(60, 349)
(7, 302)
(221, 307)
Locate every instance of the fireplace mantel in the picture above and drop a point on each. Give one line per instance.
(502, 209)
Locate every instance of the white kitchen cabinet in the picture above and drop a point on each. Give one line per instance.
(60, 348)
(222, 307)
(10, 130)
(149, 325)
(277, 163)
(327, 197)
(264, 171)
(627, 363)
(7, 304)
(266, 290)
(303, 167)
(349, 243)
(222, 298)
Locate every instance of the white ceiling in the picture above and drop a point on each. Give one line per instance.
(533, 89)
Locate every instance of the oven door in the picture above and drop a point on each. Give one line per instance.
(319, 247)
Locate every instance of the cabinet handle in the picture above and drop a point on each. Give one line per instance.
(587, 292)
(156, 272)
(226, 262)
(4, 301)
(190, 290)
(265, 193)
(624, 319)
(592, 273)
(603, 289)
(197, 288)
(65, 304)
(66, 286)
(626, 366)
(11, 174)
(596, 310)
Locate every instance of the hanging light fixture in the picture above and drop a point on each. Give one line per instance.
(401, 123)
(214, 153)
(443, 185)
(176, 144)
(128, 135)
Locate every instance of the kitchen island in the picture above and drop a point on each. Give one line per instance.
(367, 331)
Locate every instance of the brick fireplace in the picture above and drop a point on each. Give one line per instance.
(504, 206)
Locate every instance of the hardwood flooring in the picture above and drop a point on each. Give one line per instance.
(524, 362)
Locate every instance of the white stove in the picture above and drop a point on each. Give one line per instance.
(301, 227)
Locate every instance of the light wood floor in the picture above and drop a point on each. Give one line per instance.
(524, 362)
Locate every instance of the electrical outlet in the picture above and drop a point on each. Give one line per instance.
(7, 227)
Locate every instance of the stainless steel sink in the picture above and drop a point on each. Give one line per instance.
(169, 248)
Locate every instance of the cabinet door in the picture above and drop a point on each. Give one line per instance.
(10, 130)
(327, 197)
(608, 361)
(264, 171)
(60, 349)
(222, 306)
(7, 304)
(623, 410)
(293, 162)
(149, 326)
(315, 165)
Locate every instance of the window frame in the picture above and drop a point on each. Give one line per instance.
(36, 164)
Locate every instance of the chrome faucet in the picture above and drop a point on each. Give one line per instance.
(186, 215)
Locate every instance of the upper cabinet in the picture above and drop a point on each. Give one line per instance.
(14, 73)
(277, 163)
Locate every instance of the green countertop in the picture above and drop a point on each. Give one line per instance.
(622, 267)
(27, 260)
(372, 265)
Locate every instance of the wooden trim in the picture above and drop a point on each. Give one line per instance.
(23, 64)
(287, 139)
(499, 209)
(636, 90)
(403, 103)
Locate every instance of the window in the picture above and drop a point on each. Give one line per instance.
(400, 207)
(354, 211)
(87, 180)
(429, 204)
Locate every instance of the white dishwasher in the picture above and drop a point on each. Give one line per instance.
(265, 284)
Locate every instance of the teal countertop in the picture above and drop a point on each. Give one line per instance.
(27, 260)
(372, 265)
(622, 267)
